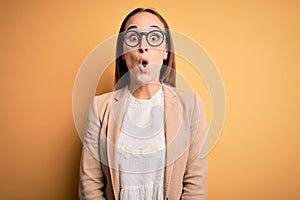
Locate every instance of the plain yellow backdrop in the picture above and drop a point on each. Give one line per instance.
(255, 45)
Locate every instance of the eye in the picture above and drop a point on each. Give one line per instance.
(133, 38)
(154, 37)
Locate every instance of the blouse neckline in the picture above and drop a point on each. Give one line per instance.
(154, 96)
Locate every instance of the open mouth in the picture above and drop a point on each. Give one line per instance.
(144, 63)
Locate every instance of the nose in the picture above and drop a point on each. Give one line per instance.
(143, 44)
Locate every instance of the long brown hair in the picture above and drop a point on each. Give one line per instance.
(167, 72)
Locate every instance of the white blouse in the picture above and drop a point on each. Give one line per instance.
(141, 148)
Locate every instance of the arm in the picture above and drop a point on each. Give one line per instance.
(195, 177)
(91, 184)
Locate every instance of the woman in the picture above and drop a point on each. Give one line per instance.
(144, 139)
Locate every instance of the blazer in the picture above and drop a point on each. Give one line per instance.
(185, 133)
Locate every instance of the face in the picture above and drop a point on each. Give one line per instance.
(143, 60)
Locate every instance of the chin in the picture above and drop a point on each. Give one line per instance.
(145, 79)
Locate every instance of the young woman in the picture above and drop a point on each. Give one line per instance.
(143, 140)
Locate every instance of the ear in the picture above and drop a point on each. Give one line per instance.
(166, 55)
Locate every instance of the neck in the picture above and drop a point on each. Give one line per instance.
(144, 91)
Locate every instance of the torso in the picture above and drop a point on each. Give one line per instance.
(141, 148)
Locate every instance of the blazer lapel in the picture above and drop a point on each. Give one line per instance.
(172, 121)
(117, 110)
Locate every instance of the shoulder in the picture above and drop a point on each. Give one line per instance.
(183, 95)
(103, 103)
(103, 98)
(109, 97)
(188, 99)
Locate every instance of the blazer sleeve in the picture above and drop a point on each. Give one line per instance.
(195, 177)
(91, 183)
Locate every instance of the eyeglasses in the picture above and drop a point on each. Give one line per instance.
(154, 38)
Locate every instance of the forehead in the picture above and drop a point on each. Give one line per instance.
(144, 20)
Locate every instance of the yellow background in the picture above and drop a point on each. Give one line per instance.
(255, 45)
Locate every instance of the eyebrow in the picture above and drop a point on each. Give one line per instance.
(152, 26)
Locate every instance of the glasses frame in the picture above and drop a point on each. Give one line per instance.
(141, 37)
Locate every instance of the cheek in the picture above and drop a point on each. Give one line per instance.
(130, 59)
(158, 56)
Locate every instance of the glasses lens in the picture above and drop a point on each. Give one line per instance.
(155, 38)
(132, 38)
